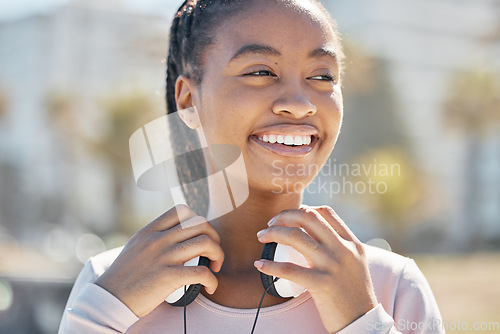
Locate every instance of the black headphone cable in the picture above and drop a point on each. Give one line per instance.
(260, 304)
(256, 315)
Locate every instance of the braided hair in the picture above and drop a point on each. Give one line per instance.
(191, 32)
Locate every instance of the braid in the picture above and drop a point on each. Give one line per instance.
(189, 35)
(191, 166)
(191, 32)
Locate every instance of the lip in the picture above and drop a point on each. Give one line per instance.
(287, 129)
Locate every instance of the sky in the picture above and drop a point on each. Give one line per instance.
(11, 9)
(14, 9)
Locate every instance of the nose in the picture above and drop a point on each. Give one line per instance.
(294, 102)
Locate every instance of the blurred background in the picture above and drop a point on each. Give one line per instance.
(416, 168)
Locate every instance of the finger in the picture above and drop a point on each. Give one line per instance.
(198, 226)
(284, 270)
(172, 217)
(336, 222)
(197, 275)
(201, 245)
(191, 228)
(312, 222)
(314, 252)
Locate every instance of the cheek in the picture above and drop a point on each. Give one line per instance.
(333, 113)
(227, 118)
(232, 112)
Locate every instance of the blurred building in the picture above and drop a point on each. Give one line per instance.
(72, 57)
(55, 66)
(76, 55)
(424, 44)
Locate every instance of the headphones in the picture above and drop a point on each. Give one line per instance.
(176, 298)
(153, 162)
(282, 288)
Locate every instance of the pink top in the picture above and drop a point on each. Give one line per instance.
(407, 305)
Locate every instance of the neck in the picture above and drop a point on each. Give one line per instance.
(238, 213)
(238, 228)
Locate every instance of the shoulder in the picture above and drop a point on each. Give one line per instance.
(101, 262)
(400, 286)
(387, 267)
(384, 262)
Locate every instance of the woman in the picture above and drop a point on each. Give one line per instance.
(255, 70)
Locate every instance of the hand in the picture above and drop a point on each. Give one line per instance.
(337, 276)
(151, 265)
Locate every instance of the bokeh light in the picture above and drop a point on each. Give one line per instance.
(380, 243)
(6, 295)
(89, 245)
(58, 244)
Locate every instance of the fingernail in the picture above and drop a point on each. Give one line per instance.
(258, 264)
(271, 221)
(261, 233)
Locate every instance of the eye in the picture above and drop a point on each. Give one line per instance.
(325, 77)
(260, 73)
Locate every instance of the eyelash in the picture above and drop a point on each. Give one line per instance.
(325, 77)
(253, 74)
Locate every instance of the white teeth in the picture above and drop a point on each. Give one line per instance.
(287, 140)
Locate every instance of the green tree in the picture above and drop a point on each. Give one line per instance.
(3, 105)
(374, 134)
(371, 115)
(124, 113)
(398, 193)
(472, 107)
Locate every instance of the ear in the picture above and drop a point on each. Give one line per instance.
(184, 90)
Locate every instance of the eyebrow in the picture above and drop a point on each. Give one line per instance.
(321, 52)
(255, 49)
(270, 51)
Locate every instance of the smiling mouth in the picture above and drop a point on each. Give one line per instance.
(288, 140)
(286, 145)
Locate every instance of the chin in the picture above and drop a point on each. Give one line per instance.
(280, 185)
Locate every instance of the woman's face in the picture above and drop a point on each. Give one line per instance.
(271, 73)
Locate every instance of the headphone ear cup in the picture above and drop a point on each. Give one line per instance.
(282, 288)
(268, 281)
(194, 289)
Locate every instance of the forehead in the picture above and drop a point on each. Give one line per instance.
(297, 26)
